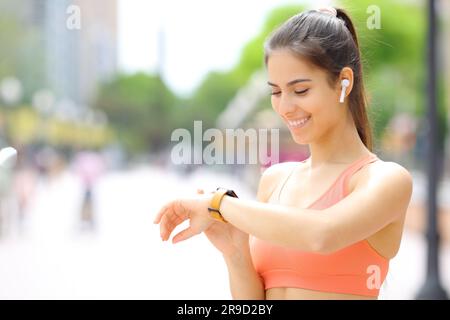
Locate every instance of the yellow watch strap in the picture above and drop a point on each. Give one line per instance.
(215, 204)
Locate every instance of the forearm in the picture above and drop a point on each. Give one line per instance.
(302, 229)
(245, 283)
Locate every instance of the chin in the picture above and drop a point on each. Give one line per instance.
(300, 140)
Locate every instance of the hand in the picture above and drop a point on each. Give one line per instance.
(225, 237)
(175, 212)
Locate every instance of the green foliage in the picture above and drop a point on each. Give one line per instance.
(401, 38)
(21, 49)
(395, 61)
(139, 108)
(210, 99)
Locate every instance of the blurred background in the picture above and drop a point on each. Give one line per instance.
(91, 91)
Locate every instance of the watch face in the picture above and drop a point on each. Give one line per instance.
(231, 193)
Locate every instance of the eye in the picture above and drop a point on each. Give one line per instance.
(301, 92)
(275, 93)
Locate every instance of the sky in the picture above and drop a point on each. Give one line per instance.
(199, 36)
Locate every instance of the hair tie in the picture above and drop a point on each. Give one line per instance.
(328, 10)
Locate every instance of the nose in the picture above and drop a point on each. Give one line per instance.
(286, 105)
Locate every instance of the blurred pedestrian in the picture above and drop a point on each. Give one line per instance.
(89, 166)
(24, 185)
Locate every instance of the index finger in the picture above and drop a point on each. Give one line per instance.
(161, 213)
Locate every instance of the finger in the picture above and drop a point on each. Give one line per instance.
(166, 225)
(161, 213)
(184, 235)
(170, 220)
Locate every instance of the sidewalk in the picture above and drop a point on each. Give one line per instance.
(125, 258)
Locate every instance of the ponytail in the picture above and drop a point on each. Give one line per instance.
(341, 14)
(359, 113)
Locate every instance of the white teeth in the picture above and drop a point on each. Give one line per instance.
(296, 123)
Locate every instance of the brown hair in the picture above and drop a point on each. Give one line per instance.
(330, 43)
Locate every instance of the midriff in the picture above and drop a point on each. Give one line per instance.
(304, 294)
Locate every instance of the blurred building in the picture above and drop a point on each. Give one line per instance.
(97, 44)
(76, 59)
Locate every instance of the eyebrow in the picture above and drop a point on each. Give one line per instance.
(290, 83)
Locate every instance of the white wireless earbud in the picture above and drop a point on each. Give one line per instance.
(345, 83)
(8, 157)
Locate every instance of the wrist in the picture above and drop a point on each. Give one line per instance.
(216, 200)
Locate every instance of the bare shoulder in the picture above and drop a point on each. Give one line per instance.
(385, 170)
(387, 176)
(271, 177)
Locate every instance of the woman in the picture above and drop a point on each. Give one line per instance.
(324, 228)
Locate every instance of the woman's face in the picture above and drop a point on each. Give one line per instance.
(302, 96)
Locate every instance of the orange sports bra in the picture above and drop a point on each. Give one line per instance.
(357, 269)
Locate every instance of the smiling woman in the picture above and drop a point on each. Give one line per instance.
(324, 228)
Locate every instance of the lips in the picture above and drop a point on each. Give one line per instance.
(298, 123)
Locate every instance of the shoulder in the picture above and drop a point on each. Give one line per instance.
(388, 170)
(271, 177)
(385, 176)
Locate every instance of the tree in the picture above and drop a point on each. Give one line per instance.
(139, 108)
(394, 58)
(21, 50)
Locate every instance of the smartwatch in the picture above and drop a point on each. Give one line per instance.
(215, 203)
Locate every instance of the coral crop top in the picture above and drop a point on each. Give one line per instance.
(357, 269)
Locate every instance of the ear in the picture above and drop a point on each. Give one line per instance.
(346, 73)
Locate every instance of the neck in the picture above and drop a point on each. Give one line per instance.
(341, 144)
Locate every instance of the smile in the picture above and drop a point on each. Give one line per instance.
(298, 123)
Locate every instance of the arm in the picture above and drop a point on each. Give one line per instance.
(375, 202)
(245, 283)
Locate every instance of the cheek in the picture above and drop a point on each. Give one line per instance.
(322, 102)
(323, 110)
(311, 103)
(274, 102)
